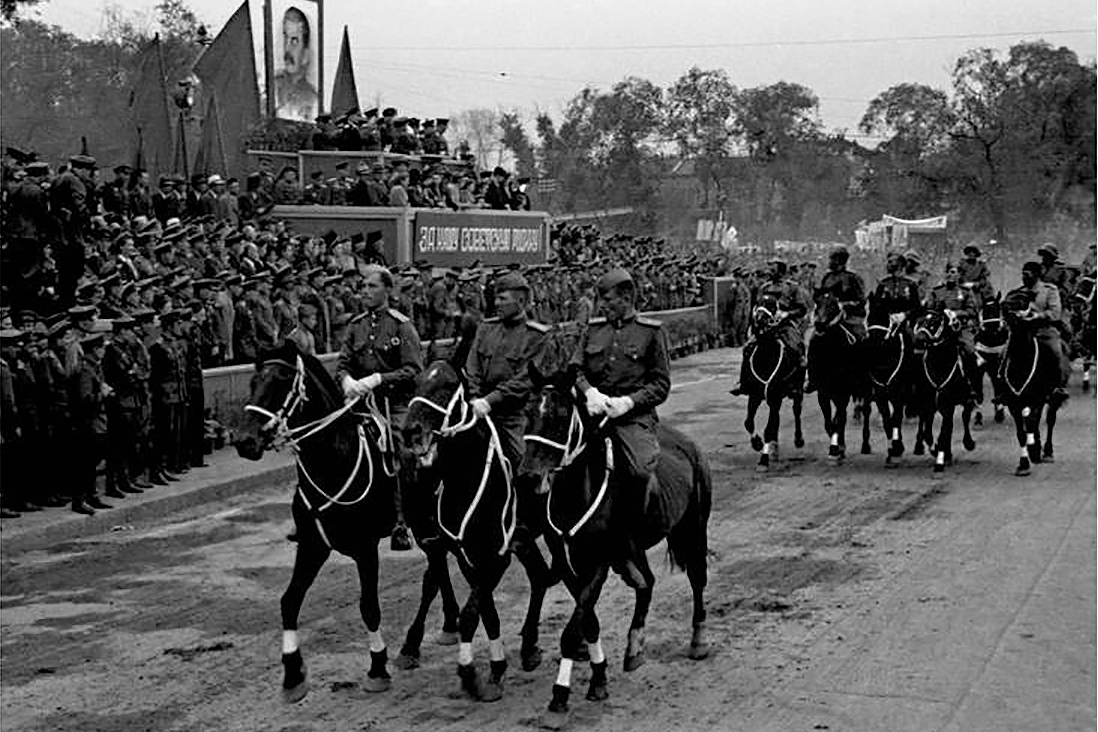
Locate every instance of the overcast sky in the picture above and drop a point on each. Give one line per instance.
(434, 58)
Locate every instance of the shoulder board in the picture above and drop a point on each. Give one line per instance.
(358, 317)
(600, 320)
(650, 322)
(539, 327)
(493, 319)
(398, 316)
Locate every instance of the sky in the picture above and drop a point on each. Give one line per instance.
(435, 58)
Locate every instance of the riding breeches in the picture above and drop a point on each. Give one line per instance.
(510, 429)
(1049, 340)
(636, 449)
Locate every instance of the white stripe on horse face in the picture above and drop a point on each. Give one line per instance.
(544, 405)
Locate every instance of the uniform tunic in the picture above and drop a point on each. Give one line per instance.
(628, 358)
(383, 341)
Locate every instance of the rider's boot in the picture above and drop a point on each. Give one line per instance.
(739, 390)
(631, 532)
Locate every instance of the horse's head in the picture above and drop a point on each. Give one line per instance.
(881, 324)
(1015, 308)
(936, 327)
(439, 402)
(281, 387)
(555, 425)
(765, 313)
(829, 312)
(991, 315)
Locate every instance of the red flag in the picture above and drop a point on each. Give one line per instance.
(211, 151)
(344, 92)
(227, 71)
(151, 130)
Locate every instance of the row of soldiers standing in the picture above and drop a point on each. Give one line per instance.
(82, 391)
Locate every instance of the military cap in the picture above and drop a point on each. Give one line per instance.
(331, 279)
(511, 281)
(37, 169)
(1048, 248)
(612, 279)
(10, 334)
(234, 279)
(91, 340)
(362, 167)
(203, 283)
(413, 122)
(972, 248)
(59, 329)
(442, 122)
(912, 256)
(421, 264)
(20, 156)
(86, 162)
(123, 322)
(322, 118)
(123, 169)
(1034, 267)
(350, 272)
(372, 237)
(400, 122)
(389, 112)
(81, 312)
(428, 123)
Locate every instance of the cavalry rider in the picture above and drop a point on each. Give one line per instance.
(914, 269)
(952, 297)
(898, 293)
(381, 354)
(624, 372)
(788, 320)
(497, 365)
(849, 290)
(1052, 269)
(1045, 311)
(975, 275)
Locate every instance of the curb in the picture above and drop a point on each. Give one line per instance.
(73, 526)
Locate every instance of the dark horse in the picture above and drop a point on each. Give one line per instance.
(1083, 325)
(771, 373)
(477, 515)
(943, 385)
(572, 450)
(344, 499)
(1030, 376)
(841, 376)
(991, 340)
(889, 355)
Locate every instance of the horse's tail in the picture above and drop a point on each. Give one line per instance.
(688, 541)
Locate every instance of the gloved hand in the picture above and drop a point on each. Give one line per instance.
(898, 317)
(596, 401)
(371, 382)
(481, 407)
(780, 316)
(618, 406)
(351, 388)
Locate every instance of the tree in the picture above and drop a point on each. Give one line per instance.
(515, 139)
(698, 117)
(480, 128)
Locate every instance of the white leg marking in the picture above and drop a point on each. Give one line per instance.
(766, 448)
(835, 439)
(290, 642)
(1025, 412)
(895, 433)
(495, 649)
(941, 458)
(564, 675)
(1025, 453)
(377, 643)
(1029, 438)
(595, 651)
(465, 654)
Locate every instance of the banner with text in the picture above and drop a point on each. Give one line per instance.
(460, 239)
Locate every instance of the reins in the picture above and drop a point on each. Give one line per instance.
(891, 330)
(1032, 370)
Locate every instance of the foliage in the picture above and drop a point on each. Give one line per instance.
(515, 139)
(699, 119)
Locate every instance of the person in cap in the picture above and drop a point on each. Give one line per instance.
(897, 293)
(914, 269)
(70, 194)
(624, 372)
(1046, 312)
(90, 393)
(497, 364)
(316, 190)
(338, 187)
(1052, 269)
(952, 298)
(16, 424)
(167, 374)
(442, 305)
(849, 290)
(189, 342)
(382, 355)
(303, 332)
(124, 376)
(28, 224)
(975, 275)
(788, 318)
(496, 195)
(114, 194)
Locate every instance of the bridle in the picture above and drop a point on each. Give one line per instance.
(457, 417)
(574, 443)
(891, 330)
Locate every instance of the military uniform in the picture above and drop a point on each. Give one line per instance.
(123, 374)
(1046, 305)
(975, 275)
(337, 190)
(166, 382)
(383, 341)
(89, 420)
(898, 293)
(959, 300)
(497, 371)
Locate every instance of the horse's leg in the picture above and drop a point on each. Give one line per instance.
(1035, 431)
(798, 404)
(436, 578)
(493, 689)
(309, 558)
(541, 579)
(1050, 425)
(824, 400)
(634, 648)
(966, 424)
(867, 413)
(377, 678)
(586, 595)
(770, 432)
(838, 439)
(1021, 431)
(753, 403)
(596, 689)
(467, 627)
(943, 452)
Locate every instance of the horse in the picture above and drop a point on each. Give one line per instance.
(990, 341)
(772, 372)
(344, 498)
(944, 385)
(1029, 377)
(477, 510)
(889, 354)
(1083, 325)
(568, 447)
(839, 376)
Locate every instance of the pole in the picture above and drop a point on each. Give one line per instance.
(183, 147)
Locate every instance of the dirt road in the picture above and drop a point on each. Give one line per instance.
(841, 597)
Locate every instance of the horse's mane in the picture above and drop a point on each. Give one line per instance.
(314, 369)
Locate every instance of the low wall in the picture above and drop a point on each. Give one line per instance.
(227, 387)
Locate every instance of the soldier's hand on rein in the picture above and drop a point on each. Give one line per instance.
(481, 407)
(618, 406)
(596, 401)
(351, 388)
(369, 383)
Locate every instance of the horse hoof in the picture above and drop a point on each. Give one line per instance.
(1048, 457)
(756, 443)
(867, 450)
(377, 684)
(554, 720)
(597, 692)
(798, 442)
(295, 694)
(1000, 416)
(491, 691)
(530, 658)
(969, 443)
(698, 651)
(939, 468)
(632, 663)
(1023, 469)
(448, 638)
(406, 662)
(890, 462)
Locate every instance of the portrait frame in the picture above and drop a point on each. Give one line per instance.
(301, 99)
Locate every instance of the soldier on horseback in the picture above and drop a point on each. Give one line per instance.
(897, 292)
(1045, 309)
(957, 301)
(849, 290)
(381, 354)
(624, 372)
(975, 276)
(788, 321)
(913, 268)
